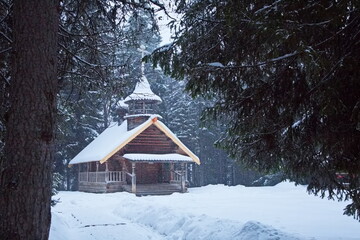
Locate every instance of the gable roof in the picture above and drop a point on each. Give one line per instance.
(116, 137)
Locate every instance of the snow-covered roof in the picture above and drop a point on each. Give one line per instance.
(103, 144)
(143, 115)
(116, 137)
(122, 104)
(175, 157)
(143, 92)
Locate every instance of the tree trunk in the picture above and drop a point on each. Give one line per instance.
(25, 172)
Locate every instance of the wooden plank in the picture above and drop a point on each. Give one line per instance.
(145, 146)
(136, 147)
(155, 134)
(149, 143)
(151, 150)
(151, 140)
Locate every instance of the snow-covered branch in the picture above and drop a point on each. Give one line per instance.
(219, 65)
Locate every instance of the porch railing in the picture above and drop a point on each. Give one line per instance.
(110, 176)
(116, 176)
(177, 176)
(141, 111)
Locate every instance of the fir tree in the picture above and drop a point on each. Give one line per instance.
(286, 76)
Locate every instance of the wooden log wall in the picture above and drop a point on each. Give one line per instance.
(133, 122)
(114, 164)
(151, 140)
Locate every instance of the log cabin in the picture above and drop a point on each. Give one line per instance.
(141, 155)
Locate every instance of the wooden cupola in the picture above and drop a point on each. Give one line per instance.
(142, 103)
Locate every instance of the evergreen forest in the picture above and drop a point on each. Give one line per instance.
(261, 91)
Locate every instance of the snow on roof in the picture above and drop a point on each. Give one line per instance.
(143, 92)
(103, 144)
(143, 115)
(175, 157)
(116, 137)
(122, 104)
(106, 142)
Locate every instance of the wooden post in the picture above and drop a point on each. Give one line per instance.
(133, 179)
(171, 172)
(87, 172)
(97, 169)
(79, 178)
(106, 172)
(182, 178)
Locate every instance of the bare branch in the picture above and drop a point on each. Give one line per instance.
(6, 37)
(5, 50)
(63, 29)
(162, 8)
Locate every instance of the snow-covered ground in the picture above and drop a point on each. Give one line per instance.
(213, 212)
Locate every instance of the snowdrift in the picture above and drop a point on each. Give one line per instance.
(282, 212)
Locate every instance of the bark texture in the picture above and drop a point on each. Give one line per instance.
(25, 172)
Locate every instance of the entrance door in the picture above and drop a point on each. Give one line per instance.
(148, 173)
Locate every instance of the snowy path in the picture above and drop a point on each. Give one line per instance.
(83, 218)
(283, 212)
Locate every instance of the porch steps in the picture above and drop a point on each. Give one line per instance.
(154, 189)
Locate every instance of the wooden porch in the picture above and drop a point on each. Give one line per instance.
(102, 182)
(107, 176)
(117, 181)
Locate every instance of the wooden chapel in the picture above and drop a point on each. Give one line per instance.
(141, 155)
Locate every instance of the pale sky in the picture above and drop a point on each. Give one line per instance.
(164, 30)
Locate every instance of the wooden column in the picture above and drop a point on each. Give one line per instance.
(97, 169)
(79, 178)
(182, 178)
(106, 172)
(87, 171)
(171, 172)
(133, 179)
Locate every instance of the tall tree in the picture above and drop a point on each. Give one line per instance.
(88, 79)
(25, 167)
(25, 170)
(99, 61)
(5, 43)
(286, 76)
